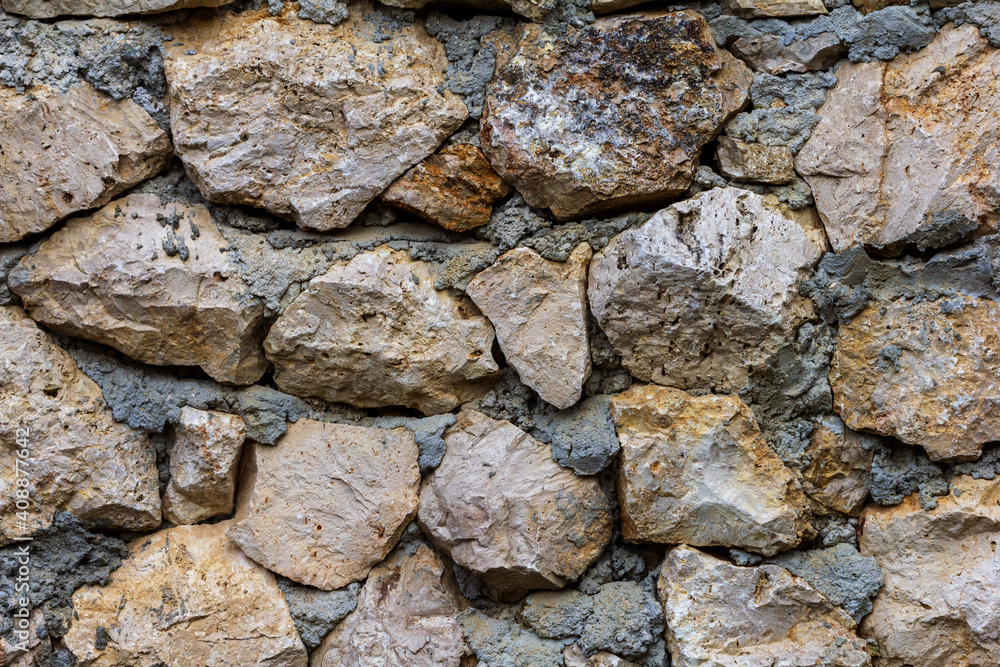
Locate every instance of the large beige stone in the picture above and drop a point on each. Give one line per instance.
(774, 54)
(374, 332)
(696, 470)
(756, 9)
(923, 372)
(942, 591)
(500, 506)
(838, 474)
(47, 9)
(185, 596)
(609, 116)
(539, 310)
(720, 614)
(904, 150)
(63, 153)
(79, 458)
(307, 120)
(705, 291)
(329, 501)
(150, 279)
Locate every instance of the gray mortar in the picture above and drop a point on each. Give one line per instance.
(315, 611)
(899, 470)
(557, 614)
(620, 562)
(939, 230)
(607, 375)
(800, 91)
(556, 243)
(512, 221)
(834, 529)
(10, 255)
(428, 432)
(986, 466)
(845, 577)
(745, 558)
(511, 400)
(796, 195)
(626, 620)
(582, 437)
(774, 127)
(323, 11)
(499, 642)
(983, 15)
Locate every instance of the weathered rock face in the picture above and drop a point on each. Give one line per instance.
(185, 596)
(776, 55)
(150, 279)
(903, 150)
(923, 372)
(47, 9)
(839, 471)
(308, 120)
(539, 310)
(721, 614)
(329, 501)
(81, 460)
(941, 594)
(374, 332)
(203, 463)
(755, 9)
(704, 291)
(500, 506)
(63, 153)
(755, 162)
(406, 616)
(696, 470)
(656, 88)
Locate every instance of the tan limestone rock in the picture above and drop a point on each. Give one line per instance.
(756, 163)
(770, 53)
(574, 657)
(839, 471)
(757, 9)
(47, 9)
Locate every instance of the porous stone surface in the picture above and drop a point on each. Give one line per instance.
(47, 9)
(328, 502)
(755, 162)
(844, 576)
(315, 611)
(499, 642)
(839, 471)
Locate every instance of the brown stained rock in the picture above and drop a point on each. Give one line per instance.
(307, 120)
(839, 471)
(47, 9)
(455, 188)
(770, 53)
(539, 310)
(151, 280)
(81, 460)
(63, 153)
(328, 502)
(185, 596)
(609, 116)
(755, 163)
(904, 151)
(941, 594)
(758, 9)
(869, 6)
(500, 506)
(925, 373)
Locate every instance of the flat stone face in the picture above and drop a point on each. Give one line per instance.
(903, 151)
(149, 278)
(839, 472)
(406, 616)
(696, 470)
(755, 9)
(608, 116)
(374, 332)
(721, 614)
(500, 506)
(185, 596)
(307, 120)
(704, 291)
(771, 53)
(329, 501)
(539, 310)
(47, 9)
(102, 472)
(925, 373)
(63, 153)
(941, 594)
(755, 162)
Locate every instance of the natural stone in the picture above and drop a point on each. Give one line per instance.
(845, 577)
(63, 153)
(582, 437)
(329, 501)
(47, 9)
(150, 279)
(203, 461)
(774, 54)
(755, 9)
(704, 292)
(901, 152)
(539, 311)
(406, 616)
(574, 657)
(922, 372)
(374, 332)
(939, 602)
(755, 162)
(695, 470)
(500, 506)
(336, 115)
(839, 471)
(455, 188)
(185, 596)
(635, 140)
(721, 614)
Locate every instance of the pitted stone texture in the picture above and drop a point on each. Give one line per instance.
(721, 614)
(406, 617)
(757, 9)
(696, 470)
(329, 501)
(904, 150)
(839, 471)
(374, 332)
(705, 291)
(923, 372)
(63, 153)
(185, 596)
(609, 116)
(756, 163)
(81, 460)
(307, 120)
(941, 594)
(539, 310)
(500, 506)
(47, 9)
(150, 279)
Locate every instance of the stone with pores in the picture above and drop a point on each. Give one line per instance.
(47, 9)
(756, 9)
(756, 163)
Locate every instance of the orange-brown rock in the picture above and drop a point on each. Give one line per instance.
(839, 471)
